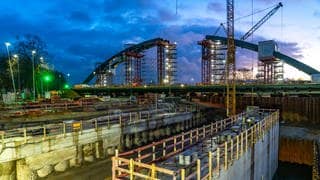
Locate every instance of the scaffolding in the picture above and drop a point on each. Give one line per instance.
(133, 68)
(213, 62)
(104, 77)
(270, 71)
(166, 62)
(170, 64)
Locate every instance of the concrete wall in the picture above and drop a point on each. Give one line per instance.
(33, 157)
(259, 162)
(38, 157)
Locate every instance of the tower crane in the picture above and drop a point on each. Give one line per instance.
(261, 22)
(257, 25)
(231, 63)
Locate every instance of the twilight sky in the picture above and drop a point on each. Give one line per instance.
(80, 33)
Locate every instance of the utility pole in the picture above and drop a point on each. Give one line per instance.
(231, 64)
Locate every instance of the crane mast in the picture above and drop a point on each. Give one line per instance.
(231, 64)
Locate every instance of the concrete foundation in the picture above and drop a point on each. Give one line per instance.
(259, 162)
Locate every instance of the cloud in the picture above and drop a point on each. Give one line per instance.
(216, 7)
(85, 32)
(316, 13)
(78, 16)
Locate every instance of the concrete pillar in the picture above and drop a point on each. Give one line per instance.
(157, 134)
(137, 139)
(183, 126)
(151, 138)
(8, 170)
(173, 130)
(168, 132)
(24, 172)
(178, 129)
(88, 152)
(144, 137)
(79, 158)
(98, 149)
(128, 142)
(162, 132)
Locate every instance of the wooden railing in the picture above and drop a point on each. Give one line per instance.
(140, 162)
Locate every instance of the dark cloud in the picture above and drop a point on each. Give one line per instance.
(79, 16)
(85, 32)
(216, 7)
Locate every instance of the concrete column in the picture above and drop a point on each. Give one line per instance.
(168, 131)
(128, 141)
(178, 128)
(137, 139)
(79, 159)
(151, 136)
(182, 125)
(88, 152)
(98, 150)
(8, 170)
(24, 172)
(162, 132)
(144, 137)
(157, 134)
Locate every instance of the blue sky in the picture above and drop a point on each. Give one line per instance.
(83, 32)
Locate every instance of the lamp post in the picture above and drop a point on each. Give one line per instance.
(10, 66)
(18, 63)
(33, 80)
(41, 81)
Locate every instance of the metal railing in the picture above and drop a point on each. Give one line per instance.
(52, 130)
(140, 162)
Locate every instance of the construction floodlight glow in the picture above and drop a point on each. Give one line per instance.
(33, 52)
(7, 44)
(47, 78)
(15, 56)
(66, 86)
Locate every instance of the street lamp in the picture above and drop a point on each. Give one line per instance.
(10, 66)
(33, 80)
(41, 80)
(18, 63)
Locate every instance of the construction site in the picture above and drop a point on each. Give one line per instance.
(132, 117)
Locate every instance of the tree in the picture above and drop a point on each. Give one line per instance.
(23, 47)
(5, 81)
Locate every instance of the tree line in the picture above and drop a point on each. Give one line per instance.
(25, 52)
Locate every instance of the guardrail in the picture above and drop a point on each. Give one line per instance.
(51, 130)
(38, 108)
(140, 162)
